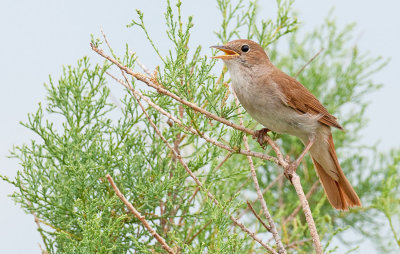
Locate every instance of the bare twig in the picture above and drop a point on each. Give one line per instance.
(268, 228)
(141, 65)
(264, 191)
(191, 129)
(152, 82)
(309, 61)
(272, 183)
(106, 40)
(37, 222)
(307, 212)
(197, 181)
(272, 227)
(294, 244)
(297, 209)
(223, 161)
(142, 219)
(198, 232)
(188, 202)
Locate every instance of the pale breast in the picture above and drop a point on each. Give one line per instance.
(265, 104)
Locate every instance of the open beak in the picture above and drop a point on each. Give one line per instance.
(229, 53)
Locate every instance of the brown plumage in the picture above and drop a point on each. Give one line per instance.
(282, 104)
(301, 100)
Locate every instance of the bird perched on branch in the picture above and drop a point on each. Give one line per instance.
(281, 104)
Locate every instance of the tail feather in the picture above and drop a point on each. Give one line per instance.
(339, 191)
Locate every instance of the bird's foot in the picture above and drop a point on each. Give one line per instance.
(259, 135)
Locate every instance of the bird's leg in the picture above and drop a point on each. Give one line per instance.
(260, 134)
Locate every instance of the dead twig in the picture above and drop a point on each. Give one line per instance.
(191, 129)
(295, 244)
(197, 181)
(272, 227)
(307, 212)
(150, 81)
(142, 219)
(306, 64)
(268, 228)
(297, 209)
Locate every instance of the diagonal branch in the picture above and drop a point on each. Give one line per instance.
(306, 64)
(268, 228)
(197, 181)
(297, 209)
(307, 212)
(272, 227)
(191, 129)
(132, 209)
(152, 82)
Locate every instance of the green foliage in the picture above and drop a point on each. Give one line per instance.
(82, 137)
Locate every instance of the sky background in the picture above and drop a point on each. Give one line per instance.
(39, 37)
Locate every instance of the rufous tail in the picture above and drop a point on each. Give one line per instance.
(339, 191)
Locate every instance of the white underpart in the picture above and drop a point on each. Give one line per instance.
(266, 104)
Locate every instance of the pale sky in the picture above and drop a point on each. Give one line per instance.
(38, 37)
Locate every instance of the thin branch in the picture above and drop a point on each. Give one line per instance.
(39, 228)
(197, 181)
(152, 82)
(263, 192)
(296, 243)
(297, 209)
(309, 61)
(223, 161)
(131, 208)
(141, 65)
(272, 183)
(188, 203)
(191, 129)
(268, 228)
(272, 227)
(307, 212)
(106, 40)
(197, 233)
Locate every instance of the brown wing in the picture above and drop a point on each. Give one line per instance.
(302, 100)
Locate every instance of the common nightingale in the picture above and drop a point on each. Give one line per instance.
(283, 105)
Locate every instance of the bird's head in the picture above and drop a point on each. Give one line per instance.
(242, 52)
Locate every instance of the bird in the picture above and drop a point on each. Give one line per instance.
(283, 105)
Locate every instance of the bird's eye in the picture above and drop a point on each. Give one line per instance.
(245, 48)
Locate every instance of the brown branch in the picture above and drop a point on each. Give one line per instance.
(264, 191)
(297, 209)
(197, 233)
(152, 82)
(272, 227)
(307, 212)
(141, 65)
(142, 219)
(189, 201)
(272, 183)
(39, 228)
(191, 129)
(296, 243)
(268, 228)
(223, 161)
(197, 181)
(306, 64)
